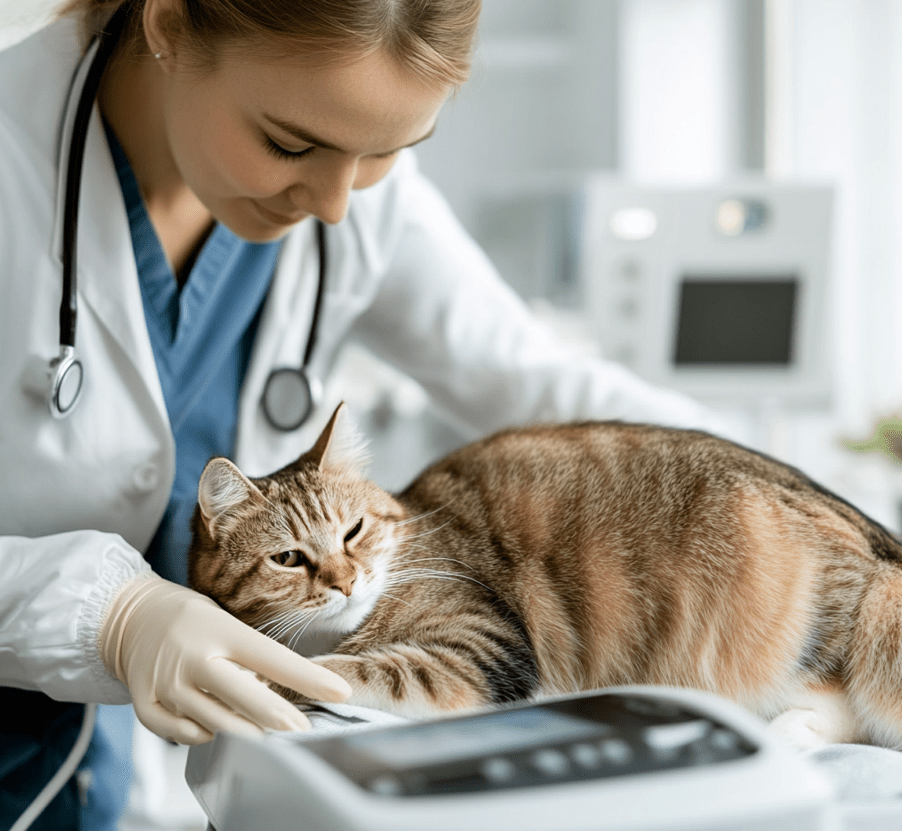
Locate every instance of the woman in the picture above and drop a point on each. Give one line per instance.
(224, 131)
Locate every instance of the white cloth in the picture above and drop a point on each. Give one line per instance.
(81, 498)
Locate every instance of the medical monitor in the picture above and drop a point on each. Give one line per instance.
(722, 292)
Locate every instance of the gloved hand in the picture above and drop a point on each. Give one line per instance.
(184, 660)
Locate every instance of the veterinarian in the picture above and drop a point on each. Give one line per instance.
(248, 200)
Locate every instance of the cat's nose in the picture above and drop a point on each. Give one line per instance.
(338, 573)
(344, 585)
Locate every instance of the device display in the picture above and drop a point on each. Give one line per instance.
(747, 321)
(443, 742)
(532, 746)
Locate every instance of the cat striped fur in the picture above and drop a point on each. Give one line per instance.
(562, 558)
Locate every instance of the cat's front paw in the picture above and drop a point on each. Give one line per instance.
(804, 729)
(810, 729)
(818, 717)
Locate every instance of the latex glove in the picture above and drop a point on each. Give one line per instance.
(184, 660)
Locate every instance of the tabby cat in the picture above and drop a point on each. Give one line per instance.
(554, 559)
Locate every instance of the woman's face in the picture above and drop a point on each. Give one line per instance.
(266, 143)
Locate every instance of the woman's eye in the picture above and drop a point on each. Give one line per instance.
(354, 531)
(290, 559)
(280, 152)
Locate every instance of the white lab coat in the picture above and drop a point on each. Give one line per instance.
(80, 499)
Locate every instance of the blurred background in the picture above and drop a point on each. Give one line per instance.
(639, 170)
(788, 110)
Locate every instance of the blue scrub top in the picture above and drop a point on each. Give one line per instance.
(201, 337)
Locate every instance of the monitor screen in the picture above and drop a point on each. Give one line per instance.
(736, 320)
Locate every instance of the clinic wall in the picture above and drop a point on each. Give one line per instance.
(845, 125)
(841, 89)
(19, 18)
(828, 109)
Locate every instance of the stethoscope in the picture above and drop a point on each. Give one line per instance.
(290, 394)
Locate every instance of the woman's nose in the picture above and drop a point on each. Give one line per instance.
(325, 189)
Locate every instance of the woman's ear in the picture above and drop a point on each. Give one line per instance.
(161, 21)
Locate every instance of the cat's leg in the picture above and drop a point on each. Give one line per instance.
(816, 717)
(410, 681)
(875, 657)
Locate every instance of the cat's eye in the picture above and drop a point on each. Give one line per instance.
(290, 559)
(354, 531)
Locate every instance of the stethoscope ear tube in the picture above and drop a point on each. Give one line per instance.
(66, 370)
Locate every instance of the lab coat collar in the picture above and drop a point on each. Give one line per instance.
(107, 273)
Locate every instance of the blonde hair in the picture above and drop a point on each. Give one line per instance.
(433, 39)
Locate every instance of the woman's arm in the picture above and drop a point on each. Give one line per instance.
(445, 316)
(54, 594)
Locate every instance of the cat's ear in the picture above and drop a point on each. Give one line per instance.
(223, 487)
(341, 446)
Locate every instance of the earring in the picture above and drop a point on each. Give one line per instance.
(158, 55)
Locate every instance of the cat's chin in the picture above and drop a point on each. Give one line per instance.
(352, 613)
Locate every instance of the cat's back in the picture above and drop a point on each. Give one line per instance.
(589, 460)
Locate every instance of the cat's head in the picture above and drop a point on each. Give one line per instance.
(305, 546)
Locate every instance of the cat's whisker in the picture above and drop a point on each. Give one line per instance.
(418, 517)
(416, 573)
(395, 598)
(285, 623)
(300, 634)
(274, 623)
(296, 621)
(426, 533)
(445, 559)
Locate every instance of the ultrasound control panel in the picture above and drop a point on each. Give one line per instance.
(530, 747)
(622, 759)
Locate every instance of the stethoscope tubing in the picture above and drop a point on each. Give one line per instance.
(108, 39)
(67, 371)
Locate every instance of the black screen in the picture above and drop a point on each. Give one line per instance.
(727, 320)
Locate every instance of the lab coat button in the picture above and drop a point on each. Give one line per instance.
(146, 476)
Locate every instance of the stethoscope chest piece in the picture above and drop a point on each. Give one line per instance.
(289, 397)
(66, 376)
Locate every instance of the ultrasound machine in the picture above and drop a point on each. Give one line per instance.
(623, 759)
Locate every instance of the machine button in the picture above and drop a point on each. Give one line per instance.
(498, 769)
(385, 786)
(667, 740)
(615, 751)
(550, 762)
(722, 739)
(146, 476)
(586, 755)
